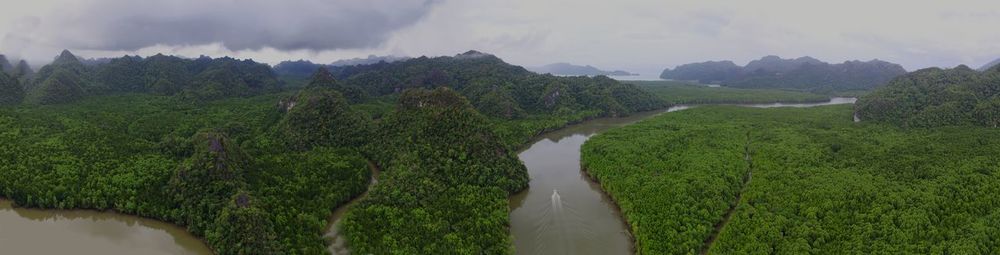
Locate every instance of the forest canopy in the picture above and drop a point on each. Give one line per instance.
(799, 181)
(254, 166)
(68, 78)
(936, 97)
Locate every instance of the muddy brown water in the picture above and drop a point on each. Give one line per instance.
(35, 231)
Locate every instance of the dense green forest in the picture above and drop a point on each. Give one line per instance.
(445, 185)
(11, 91)
(218, 168)
(800, 181)
(220, 147)
(67, 79)
(499, 89)
(679, 92)
(801, 74)
(937, 97)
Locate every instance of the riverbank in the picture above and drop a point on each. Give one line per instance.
(817, 179)
(31, 231)
(336, 242)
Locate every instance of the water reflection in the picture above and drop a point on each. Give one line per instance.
(34, 231)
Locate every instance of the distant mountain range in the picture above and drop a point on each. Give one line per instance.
(305, 68)
(371, 59)
(576, 70)
(989, 65)
(804, 73)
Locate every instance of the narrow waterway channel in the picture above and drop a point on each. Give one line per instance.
(336, 241)
(563, 211)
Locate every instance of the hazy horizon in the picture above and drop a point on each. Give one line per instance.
(646, 37)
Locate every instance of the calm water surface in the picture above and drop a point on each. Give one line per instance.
(34, 231)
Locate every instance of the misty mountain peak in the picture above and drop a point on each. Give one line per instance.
(66, 57)
(4, 64)
(473, 54)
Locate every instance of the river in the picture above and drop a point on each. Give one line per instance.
(563, 211)
(35, 231)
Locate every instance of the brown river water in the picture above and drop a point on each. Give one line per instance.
(34, 231)
(562, 211)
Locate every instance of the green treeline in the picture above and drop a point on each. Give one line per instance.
(214, 145)
(820, 183)
(936, 97)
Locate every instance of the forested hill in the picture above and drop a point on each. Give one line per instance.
(5, 65)
(805, 74)
(936, 97)
(989, 65)
(305, 68)
(68, 79)
(495, 88)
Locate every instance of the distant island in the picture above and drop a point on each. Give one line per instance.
(804, 73)
(568, 69)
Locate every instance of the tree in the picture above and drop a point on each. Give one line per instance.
(988, 112)
(61, 87)
(322, 78)
(205, 182)
(243, 228)
(321, 117)
(11, 92)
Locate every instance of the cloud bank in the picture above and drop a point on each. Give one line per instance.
(128, 25)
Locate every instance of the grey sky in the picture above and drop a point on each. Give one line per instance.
(639, 35)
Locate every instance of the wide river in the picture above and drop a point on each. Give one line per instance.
(562, 211)
(34, 231)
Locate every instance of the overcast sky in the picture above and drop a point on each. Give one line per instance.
(636, 35)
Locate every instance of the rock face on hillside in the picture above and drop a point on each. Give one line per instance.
(804, 73)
